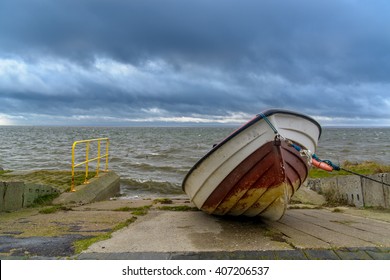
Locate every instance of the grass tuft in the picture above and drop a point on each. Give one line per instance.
(139, 211)
(163, 201)
(178, 208)
(44, 200)
(58, 179)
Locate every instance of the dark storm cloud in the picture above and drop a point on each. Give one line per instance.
(172, 58)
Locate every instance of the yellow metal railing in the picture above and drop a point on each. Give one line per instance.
(87, 160)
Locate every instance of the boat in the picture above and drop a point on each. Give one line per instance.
(257, 169)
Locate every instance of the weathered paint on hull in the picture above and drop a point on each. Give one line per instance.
(261, 185)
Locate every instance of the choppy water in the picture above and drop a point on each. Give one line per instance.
(154, 160)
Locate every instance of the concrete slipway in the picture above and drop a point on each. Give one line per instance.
(169, 231)
(300, 234)
(310, 231)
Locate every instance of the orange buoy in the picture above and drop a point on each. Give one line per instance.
(322, 165)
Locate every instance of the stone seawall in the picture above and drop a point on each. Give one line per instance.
(352, 190)
(11, 195)
(355, 190)
(15, 195)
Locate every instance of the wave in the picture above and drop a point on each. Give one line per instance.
(151, 155)
(160, 187)
(115, 159)
(150, 167)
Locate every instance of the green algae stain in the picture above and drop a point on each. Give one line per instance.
(58, 179)
(83, 244)
(139, 211)
(178, 208)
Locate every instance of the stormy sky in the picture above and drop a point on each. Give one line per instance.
(180, 62)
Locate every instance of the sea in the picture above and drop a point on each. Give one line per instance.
(153, 161)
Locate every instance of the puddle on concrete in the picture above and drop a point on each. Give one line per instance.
(59, 246)
(240, 233)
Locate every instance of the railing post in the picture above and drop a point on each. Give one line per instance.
(98, 160)
(72, 184)
(107, 144)
(86, 163)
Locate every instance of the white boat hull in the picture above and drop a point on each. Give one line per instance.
(214, 173)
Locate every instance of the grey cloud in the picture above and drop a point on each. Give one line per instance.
(326, 58)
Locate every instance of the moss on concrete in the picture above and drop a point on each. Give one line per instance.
(44, 200)
(178, 208)
(163, 201)
(83, 244)
(139, 211)
(58, 179)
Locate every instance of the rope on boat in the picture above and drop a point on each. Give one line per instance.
(334, 166)
(269, 123)
(310, 155)
(365, 177)
(338, 168)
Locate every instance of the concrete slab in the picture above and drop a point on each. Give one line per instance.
(380, 228)
(315, 232)
(174, 232)
(299, 238)
(113, 205)
(379, 255)
(11, 196)
(369, 214)
(333, 238)
(321, 255)
(167, 231)
(307, 254)
(104, 187)
(345, 227)
(353, 255)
